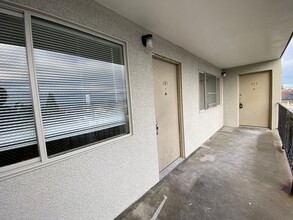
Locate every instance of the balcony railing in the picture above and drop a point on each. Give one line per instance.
(285, 127)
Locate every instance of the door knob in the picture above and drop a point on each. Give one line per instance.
(240, 105)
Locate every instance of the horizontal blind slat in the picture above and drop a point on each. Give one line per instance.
(81, 81)
(17, 127)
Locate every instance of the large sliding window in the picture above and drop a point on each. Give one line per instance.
(81, 86)
(209, 91)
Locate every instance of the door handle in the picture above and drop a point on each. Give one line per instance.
(240, 105)
(157, 129)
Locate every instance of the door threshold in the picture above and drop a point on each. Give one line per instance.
(254, 127)
(170, 167)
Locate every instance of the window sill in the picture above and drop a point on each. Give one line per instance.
(209, 109)
(34, 164)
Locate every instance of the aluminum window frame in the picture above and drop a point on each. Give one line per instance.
(43, 160)
(205, 91)
(200, 91)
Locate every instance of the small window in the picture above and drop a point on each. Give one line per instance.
(82, 86)
(209, 91)
(17, 127)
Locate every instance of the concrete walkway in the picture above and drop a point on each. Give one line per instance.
(240, 173)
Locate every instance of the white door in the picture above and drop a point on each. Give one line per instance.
(254, 98)
(166, 104)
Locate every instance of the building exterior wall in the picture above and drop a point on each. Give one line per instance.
(101, 183)
(231, 90)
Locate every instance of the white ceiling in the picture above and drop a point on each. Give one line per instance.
(227, 33)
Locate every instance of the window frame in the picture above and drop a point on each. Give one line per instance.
(43, 159)
(218, 91)
(218, 96)
(204, 91)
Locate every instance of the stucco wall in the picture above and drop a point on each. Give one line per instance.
(101, 183)
(231, 90)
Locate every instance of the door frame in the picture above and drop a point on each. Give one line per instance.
(270, 94)
(179, 99)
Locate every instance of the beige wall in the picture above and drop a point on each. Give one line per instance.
(231, 90)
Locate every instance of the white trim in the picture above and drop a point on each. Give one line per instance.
(4, 171)
(13, 13)
(34, 88)
(127, 79)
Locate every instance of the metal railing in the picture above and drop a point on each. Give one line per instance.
(285, 127)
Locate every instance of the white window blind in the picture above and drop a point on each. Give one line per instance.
(17, 127)
(211, 89)
(82, 86)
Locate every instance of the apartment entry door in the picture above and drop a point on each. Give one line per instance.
(254, 98)
(166, 106)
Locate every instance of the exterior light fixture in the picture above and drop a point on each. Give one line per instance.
(223, 74)
(147, 41)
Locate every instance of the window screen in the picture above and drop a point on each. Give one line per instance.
(17, 127)
(82, 86)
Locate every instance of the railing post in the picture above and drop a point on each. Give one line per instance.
(289, 151)
(285, 128)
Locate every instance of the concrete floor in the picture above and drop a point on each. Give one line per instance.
(240, 173)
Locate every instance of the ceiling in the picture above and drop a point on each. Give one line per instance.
(227, 33)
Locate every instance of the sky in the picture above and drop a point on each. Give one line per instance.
(287, 67)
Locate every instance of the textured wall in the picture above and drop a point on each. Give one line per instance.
(101, 183)
(231, 90)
